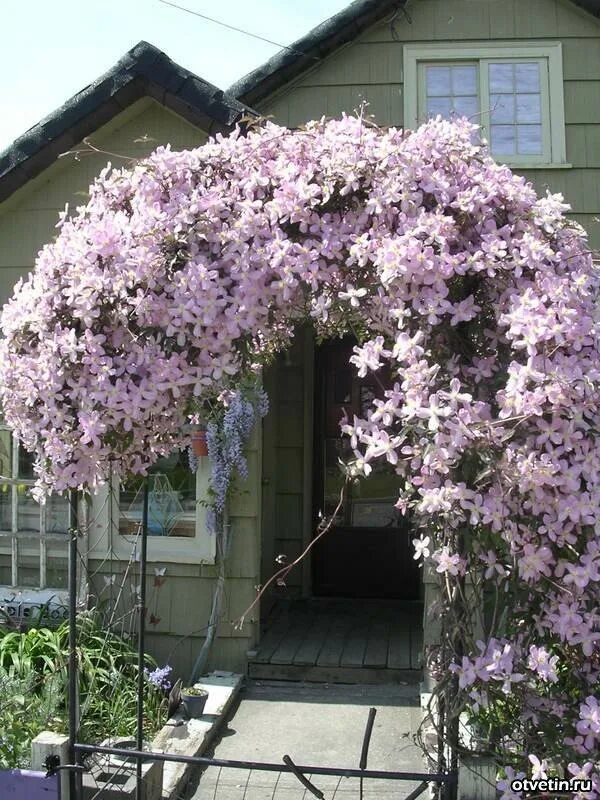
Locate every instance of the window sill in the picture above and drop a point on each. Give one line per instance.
(540, 166)
(201, 549)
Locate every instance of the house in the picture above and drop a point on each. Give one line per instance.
(530, 74)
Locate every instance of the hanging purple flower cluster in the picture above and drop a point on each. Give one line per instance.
(227, 436)
(192, 460)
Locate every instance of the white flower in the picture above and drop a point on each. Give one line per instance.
(352, 294)
(421, 547)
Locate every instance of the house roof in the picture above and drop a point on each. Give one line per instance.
(143, 71)
(323, 40)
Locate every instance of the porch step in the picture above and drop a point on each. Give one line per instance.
(315, 674)
(341, 641)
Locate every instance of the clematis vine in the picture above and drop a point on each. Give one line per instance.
(191, 270)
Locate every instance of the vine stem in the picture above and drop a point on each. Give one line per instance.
(284, 571)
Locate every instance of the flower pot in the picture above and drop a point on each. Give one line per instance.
(199, 443)
(193, 704)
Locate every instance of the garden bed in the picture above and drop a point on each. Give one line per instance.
(34, 687)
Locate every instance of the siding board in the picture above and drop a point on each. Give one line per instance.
(288, 516)
(582, 101)
(462, 19)
(535, 19)
(244, 549)
(573, 21)
(581, 58)
(579, 186)
(502, 19)
(289, 470)
(576, 141)
(359, 63)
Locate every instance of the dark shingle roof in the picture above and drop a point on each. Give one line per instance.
(323, 40)
(143, 71)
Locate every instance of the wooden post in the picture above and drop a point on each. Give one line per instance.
(49, 743)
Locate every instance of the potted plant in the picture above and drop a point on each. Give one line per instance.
(194, 700)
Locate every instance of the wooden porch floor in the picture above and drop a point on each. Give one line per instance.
(339, 640)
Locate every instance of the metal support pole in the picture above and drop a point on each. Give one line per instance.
(73, 686)
(141, 641)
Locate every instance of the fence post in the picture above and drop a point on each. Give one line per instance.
(50, 743)
(476, 778)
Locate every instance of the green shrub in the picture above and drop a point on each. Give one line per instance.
(34, 687)
(26, 708)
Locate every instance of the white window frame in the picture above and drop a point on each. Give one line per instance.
(26, 542)
(104, 536)
(480, 52)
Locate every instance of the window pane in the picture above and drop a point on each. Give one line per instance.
(464, 80)
(528, 77)
(28, 511)
(6, 453)
(28, 570)
(439, 105)
(503, 140)
(5, 507)
(502, 108)
(501, 78)
(171, 502)
(530, 139)
(26, 464)
(438, 81)
(56, 566)
(5, 576)
(57, 514)
(529, 108)
(466, 106)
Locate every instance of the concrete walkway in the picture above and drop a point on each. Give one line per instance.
(314, 724)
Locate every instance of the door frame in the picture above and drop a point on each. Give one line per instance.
(308, 456)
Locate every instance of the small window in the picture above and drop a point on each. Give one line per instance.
(514, 93)
(33, 540)
(171, 499)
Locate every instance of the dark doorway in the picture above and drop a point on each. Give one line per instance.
(367, 553)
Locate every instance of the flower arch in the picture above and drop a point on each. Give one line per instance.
(188, 272)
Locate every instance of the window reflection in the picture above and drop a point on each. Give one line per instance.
(171, 499)
(370, 501)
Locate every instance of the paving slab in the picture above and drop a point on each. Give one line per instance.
(315, 724)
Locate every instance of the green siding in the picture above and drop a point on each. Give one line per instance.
(370, 69)
(283, 466)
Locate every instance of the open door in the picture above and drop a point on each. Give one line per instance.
(367, 553)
